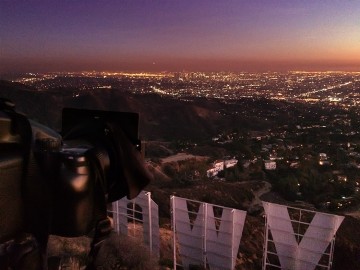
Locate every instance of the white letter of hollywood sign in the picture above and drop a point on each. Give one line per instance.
(150, 219)
(307, 254)
(204, 241)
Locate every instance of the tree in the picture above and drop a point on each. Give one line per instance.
(288, 187)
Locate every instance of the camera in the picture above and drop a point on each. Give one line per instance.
(60, 183)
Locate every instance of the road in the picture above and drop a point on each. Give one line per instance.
(181, 156)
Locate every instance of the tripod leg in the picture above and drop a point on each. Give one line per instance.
(102, 231)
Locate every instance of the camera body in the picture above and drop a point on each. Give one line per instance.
(64, 170)
(11, 160)
(60, 183)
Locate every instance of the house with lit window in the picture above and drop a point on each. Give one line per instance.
(270, 165)
(220, 166)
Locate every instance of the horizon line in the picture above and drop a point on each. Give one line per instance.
(113, 72)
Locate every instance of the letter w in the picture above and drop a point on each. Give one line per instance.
(307, 254)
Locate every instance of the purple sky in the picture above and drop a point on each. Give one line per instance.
(192, 35)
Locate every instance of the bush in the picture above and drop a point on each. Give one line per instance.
(122, 252)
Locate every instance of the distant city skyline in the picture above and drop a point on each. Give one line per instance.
(256, 35)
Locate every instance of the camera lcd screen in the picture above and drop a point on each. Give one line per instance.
(128, 121)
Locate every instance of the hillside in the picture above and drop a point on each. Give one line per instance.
(161, 117)
(168, 119)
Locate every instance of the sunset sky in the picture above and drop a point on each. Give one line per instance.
(191, 35)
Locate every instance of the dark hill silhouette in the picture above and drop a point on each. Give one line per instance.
(41, 106)
(164, 118)
(161, 117)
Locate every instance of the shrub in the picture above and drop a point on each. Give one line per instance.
(122, 252)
